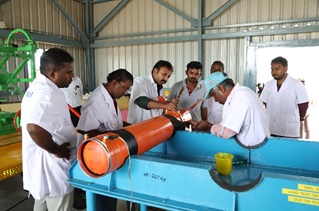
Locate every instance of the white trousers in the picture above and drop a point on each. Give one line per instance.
(58, 203)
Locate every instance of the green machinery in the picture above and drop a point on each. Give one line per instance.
(10, 138)
(9, 80)
(7, 122)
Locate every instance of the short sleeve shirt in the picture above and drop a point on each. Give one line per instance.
(244, 113)
(44, 174)
(187, 100)
(282, 106)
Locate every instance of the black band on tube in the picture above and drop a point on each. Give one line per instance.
(178, 125)
(129, 139)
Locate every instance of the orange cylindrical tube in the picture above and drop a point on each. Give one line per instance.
(102, 154)
(151, 132)
(107, 152)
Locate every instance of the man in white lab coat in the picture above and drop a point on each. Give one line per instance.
(147, 97)
(48, 136)
(100, 113)
(286, 101)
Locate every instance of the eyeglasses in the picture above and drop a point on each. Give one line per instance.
(123, 87)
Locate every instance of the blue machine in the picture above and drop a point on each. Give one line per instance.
(180, 174)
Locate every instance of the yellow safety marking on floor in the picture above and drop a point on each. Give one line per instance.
(10, 172)
(10, 160)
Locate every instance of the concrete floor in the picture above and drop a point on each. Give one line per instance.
(13, 197)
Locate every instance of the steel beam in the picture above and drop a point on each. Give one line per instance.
(207, 21)
(69, 18)
(191, 20)
(40, 37)
(108, 17)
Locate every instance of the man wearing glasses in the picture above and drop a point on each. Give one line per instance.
(100, 113)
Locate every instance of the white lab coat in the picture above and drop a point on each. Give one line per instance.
(282, 106)
(244, 113)
(143, 86)
(98, 112)
(74, 92)
(44, 174)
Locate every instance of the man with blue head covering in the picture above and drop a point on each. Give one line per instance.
(244, 116)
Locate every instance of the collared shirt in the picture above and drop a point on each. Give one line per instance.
(244, 113)
(74, 93)
(282, 106)
(99, 113)
(187, 100)
(143, 86)
(44, 174)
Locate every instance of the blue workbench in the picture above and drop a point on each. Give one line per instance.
(180, 174)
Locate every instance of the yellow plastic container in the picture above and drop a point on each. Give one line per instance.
(224, 163)
(166, 92)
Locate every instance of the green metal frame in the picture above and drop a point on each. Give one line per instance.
(6, 123)
(9, 80)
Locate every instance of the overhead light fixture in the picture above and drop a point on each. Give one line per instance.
(308, 24)
(284, 26)
(261, 28)
(296, 25)
(272, 27)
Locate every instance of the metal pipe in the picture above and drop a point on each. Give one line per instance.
(106, 153)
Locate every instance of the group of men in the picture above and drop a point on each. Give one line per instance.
(224, 108)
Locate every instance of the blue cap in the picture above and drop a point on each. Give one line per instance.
(214, 80)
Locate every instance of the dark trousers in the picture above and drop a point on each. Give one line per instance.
(74, 118)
